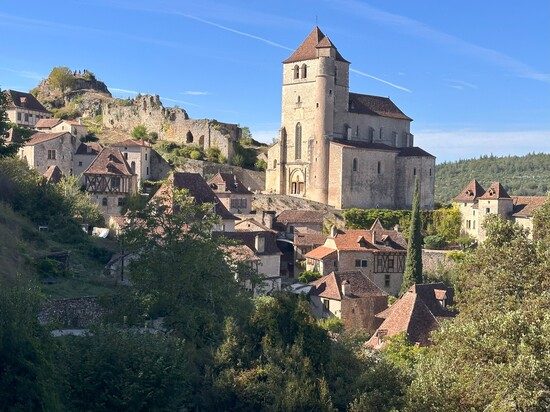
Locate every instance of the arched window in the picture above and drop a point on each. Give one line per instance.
(189, 137)
(304, 71)
(298, 142)
(296, 72)
(354, 165)
(274, 163)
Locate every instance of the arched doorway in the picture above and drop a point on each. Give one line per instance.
(297, 182)
(189, 137)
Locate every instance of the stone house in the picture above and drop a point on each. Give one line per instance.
(350, 296)
(305, 241)
(289, 221)
(250, 224)
(417, 313)
(232, 193)
(475, 203)
(109, 180)
(24, 109)
(138, 155)
(85, 153)
(377, 253)
(341, 148)
(74, 127)
(43, 150)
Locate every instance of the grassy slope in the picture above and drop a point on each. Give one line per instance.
(21, 244)
(520, 175)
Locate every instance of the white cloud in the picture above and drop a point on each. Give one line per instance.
(460, 84)
(27, 74)
(449, 145)
(124, 91)
(380, 80)
(195, 93)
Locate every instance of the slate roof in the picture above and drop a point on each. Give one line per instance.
(110, 161)
(375, 106)
(23, 100)
(308, 49)
(330, 286)
(416, 313)
(132, 143)
(231, 182)
(301, 216)
(41, 137)
(47, 123)
(89, 148)
(401, 151)
(413, 152)
(525, 206)
(249, 239)
(201, 192)
(470, 192)
(53, 174)
(495, 191)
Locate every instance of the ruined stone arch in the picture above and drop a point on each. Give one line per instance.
(297, 182)
(189, 137)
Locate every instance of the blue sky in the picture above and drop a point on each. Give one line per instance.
(474, 75)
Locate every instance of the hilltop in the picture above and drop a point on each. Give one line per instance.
(520, 175)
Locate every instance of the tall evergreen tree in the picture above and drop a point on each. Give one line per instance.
(413, 264)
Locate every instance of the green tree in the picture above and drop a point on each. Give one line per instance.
(413, 262)
(81, 206)
(139, 132)
(61, 78)
(6, 149)
(27, 373)
(260, 164)
(308, 276)
(541, 222)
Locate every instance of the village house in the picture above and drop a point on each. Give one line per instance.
(250, 224)
(232, 193)
(475, 203)
(84, 156)
(350, 296)
(289, 221)
(43, 150)
(263, 244)
(24, 109)
(109, 180)
(304, 242)
(416, 314)
(74, 127)
(138, 155)
(377, 253)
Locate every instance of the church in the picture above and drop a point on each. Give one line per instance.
(341, 148)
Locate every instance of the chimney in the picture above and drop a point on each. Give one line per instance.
(267, 218)
(333, 231)
(346, 288)
(259, 243)
(373, 237)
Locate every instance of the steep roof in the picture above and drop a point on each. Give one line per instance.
(110, 161)
(201, 192)
(308, 49)
(309, 238)
(89, 148)
(24, 100)
(301, 216)
(495, 191)
(47, 123)
(470, 192)
(230, 181)
(321, 252)
(361, 239)
(375, 106)
(525, 206)
(249, 239)
(330, 286)
(132, 143)
(42, 137)
(251, 225)
(53, 174)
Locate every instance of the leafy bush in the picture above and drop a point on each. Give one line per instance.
(260, 164)
(195, 155)
(139, 132)
(68, 112)
(237, 160)
(332, 324)
(308, 276)
(434, 242)
(61, 78)
(153, 137)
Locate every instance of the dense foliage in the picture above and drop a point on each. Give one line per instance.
(413, 261)
(520, 175)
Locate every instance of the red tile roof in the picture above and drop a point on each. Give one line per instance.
(375, 106)
(23, 100)
(47, 123)
(471, 192)
(132, 143)
(495, 191)
(110, 161)
(361, 239)
(321, 252)
(53, 174)
(309, 238)
(42, 137)
(330, 286)
(525, 206)
(301, 216)
(230, 181)
(308, 49)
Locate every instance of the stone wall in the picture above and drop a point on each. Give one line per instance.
(172, 124)
(435, 260)
(72, 313)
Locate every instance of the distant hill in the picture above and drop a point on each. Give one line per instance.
(520, 175)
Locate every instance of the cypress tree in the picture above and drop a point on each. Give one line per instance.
(413, 263)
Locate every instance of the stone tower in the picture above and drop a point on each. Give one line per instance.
(315, 87)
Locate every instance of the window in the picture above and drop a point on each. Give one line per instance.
(379, 166)
(298, 142)
(299, 99)
(147, 170)
(487, 210)
(469, 224)
(120, 201)
(381, 133)
(304, 71)
(115, 183)
(387, 280)
(126, 156)
(357, 263)
(133, 166)
(26, 117)
(354, 167)
(390, 262)
(104, 201)
(296, 72)
(473, 212)
(473, 224)
(364, 263)
(326, 304)
(357, 131)
(18, 115)
(80, 163)
(371, 134)
(274, 163)
(238, 203)
(51, 154)
(430, 171)
(145, 156)
(414, 171)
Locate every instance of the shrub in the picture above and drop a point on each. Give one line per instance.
(213, 154)
(260, 164)
(308, 276)
(61, 78)
(434, 242)
(139, 132)
(153, 137)
(332, 324)
(237, 160)
(195, 155)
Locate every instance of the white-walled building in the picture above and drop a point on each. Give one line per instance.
(138, 155)
(24, 109)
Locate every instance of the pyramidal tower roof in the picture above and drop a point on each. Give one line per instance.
(308, 49)
(495, 191)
